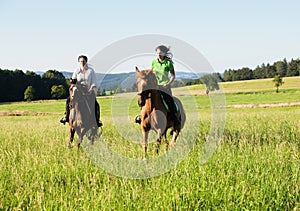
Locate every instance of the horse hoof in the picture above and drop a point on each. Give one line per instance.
(70, 145)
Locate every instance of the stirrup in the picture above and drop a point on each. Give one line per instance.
(99, 123)
(63, 120)
(138, 119)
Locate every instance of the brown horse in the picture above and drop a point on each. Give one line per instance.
(154, 115)
(82, 114)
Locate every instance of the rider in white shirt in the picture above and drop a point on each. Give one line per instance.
(85, 75)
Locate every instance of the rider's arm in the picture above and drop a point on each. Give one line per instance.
(74, 77)
(172, 72)
(73, 81)
(93, 81)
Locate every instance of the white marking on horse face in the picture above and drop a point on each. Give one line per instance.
(141, 85)
(143, 82)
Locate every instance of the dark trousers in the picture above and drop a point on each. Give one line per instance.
(167, 95)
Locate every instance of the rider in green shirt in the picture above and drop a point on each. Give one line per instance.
(162, 66)
(161, 70)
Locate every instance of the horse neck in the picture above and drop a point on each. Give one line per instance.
(153, 100)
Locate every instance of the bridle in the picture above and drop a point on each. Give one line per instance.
(144, 93)
(150, 87)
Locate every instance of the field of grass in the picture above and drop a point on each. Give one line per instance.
(255, 166)
(260, 85)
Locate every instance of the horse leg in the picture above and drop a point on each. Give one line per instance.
(94, 135)
(175, 132)
(79, 140)
(174, 137)
(145, 142)
(72, 133)
(157, 145)
(80, 136)
(164, 137)
(158, 141)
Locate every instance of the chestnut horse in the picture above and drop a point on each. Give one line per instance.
(82, 114)
(153, 114)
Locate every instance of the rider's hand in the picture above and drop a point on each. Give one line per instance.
(92, 89)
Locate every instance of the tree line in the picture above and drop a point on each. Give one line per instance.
(281, 68)
(17, 85)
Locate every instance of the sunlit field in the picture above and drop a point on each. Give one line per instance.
(255, 166)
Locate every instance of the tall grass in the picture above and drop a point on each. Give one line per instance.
(255, 167)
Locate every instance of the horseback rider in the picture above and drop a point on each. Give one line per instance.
(85, 75)
(161, 67)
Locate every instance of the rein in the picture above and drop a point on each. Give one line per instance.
(145, 94)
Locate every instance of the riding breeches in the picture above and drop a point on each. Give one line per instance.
(168, 98)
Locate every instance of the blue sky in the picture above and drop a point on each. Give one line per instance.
(42, 35)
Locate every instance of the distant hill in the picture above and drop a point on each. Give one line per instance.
(125, 80)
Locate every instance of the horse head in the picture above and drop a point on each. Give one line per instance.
(146, 82)
(79, 92)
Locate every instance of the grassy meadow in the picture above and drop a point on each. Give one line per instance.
(255, 165)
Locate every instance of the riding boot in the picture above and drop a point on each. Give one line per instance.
(67, 113)
(66, 117)
(138, 119)
(173, 112)
(97, 113)
(167, 96)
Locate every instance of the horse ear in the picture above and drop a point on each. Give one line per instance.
(137, 69)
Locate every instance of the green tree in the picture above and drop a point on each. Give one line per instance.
(258, 73)
(29, 93)
(277, 82)
(269, 71)
(58, 92)
(51, 78)
(118, 89)
(228, 75)
(103, 92)
(281, 67)
(211, 81)
(292, 69)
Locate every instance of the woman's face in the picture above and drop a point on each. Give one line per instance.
(160, 54)
(82, 62)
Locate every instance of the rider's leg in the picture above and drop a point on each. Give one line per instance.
(97, 113)
(67, 113)
(171, 105)
(138, 119)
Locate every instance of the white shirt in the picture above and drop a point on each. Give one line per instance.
(88, 78)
